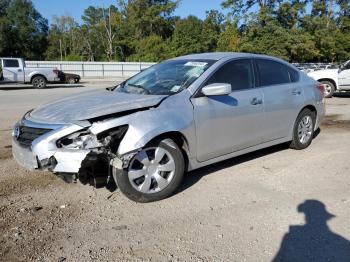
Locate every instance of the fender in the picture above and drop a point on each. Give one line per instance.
(156, 122)
(170, 116)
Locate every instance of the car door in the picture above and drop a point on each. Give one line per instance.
(283, 97)
(229, 123)
(344, 77)
(12, 70)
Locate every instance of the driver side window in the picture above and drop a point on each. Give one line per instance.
(238, 73)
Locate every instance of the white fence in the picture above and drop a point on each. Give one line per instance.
(124, 69)
(94, 69)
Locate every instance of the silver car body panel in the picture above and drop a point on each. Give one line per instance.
(214, 128)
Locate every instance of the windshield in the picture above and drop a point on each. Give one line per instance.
(166, 78)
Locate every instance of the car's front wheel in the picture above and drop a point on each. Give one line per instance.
(303, 131)
(154, 173)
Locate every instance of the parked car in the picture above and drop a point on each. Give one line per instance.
(334, 80)
(177, 116)
(14, 70)
(67, 78)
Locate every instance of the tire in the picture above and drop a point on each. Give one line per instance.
(71, 81)
(145, 183)
(329, 89)
(76, 80)
(303, 131)
(39, 82)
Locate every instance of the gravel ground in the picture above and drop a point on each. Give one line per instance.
(238, 210)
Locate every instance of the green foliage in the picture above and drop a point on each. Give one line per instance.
(229, 40)
(23, 31)
(147, 30)
(151, 49)
(188, 37)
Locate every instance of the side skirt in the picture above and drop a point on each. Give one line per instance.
(194, 164)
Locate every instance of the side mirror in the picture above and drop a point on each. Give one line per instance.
(217, 89)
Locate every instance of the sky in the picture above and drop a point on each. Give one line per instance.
(75, 8)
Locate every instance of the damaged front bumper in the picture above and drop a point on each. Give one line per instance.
(61, 160)
(34, 151)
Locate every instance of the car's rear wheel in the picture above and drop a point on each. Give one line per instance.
(303, 131)
(153, 174)
(39, 82)
(329, 88)
(71, 81)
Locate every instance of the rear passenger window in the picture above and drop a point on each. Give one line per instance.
(293, 75)
(272, 72)
(11, 63)
(238, 73)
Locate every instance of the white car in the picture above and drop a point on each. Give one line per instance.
(333, 79)
(14, 70)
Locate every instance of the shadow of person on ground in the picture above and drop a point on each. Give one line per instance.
(314, 241)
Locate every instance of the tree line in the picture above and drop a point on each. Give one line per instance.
(148, 30)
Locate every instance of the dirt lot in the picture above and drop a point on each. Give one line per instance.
(237, 210)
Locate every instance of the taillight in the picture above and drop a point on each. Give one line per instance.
(321, 88)
(55, 71)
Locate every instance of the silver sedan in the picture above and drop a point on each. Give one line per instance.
(177, 116)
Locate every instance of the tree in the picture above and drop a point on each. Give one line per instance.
(188, 37)
(149, 17)
(102, 24)
(229, 40)
(212, 26)
(151, 49)
(23, 30)
(64, 38)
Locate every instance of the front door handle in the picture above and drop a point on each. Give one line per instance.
(255, 101)
(19, 70)
(296, 92)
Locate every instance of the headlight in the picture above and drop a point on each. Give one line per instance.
(79, 140)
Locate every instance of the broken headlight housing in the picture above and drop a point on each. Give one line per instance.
(79, 140)
(84, 139)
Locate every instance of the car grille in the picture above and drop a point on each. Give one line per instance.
(28, 134)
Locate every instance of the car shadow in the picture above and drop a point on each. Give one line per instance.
(313, 241)
(195, 176)
(5, 87)
(342, 94)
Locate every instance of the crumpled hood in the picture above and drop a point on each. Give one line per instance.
(90, 105)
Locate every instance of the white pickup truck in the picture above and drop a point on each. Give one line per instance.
(334, 80)
(14, 70)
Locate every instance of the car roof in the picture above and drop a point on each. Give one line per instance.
(221, 55)
(224, 55)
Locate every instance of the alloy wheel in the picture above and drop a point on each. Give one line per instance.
(305, 129)
(40, 83)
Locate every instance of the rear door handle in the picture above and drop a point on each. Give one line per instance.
(296, 92)
(255, 101)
